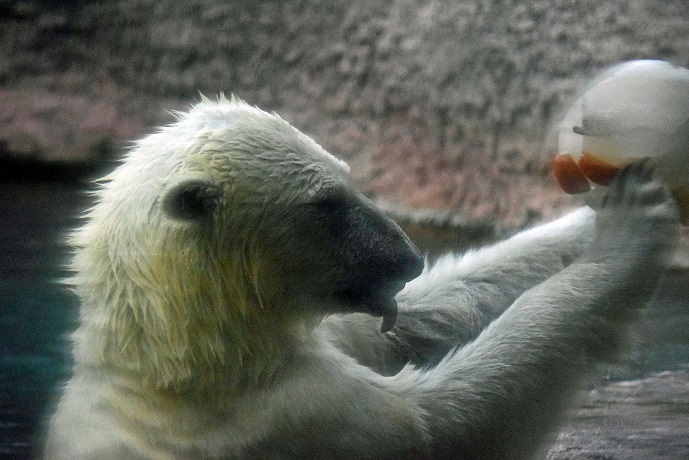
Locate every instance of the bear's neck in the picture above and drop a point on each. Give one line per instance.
(182, 355)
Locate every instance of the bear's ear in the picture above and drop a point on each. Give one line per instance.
(190, 200)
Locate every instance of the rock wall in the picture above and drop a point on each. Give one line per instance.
(442, 104)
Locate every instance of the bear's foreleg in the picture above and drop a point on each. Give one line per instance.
(452, 302)
(499, 396)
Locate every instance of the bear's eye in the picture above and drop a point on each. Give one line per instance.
(192, 200)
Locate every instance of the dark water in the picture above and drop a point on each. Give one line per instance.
(36, 312)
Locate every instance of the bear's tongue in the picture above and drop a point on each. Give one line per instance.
(385, 306)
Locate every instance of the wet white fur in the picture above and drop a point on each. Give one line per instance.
(203, 367)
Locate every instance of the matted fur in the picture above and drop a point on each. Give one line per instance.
(218, 329)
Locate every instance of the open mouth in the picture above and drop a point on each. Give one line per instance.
(385, 307)
(375, 300)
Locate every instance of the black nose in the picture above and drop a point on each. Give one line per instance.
(411, 262)
(378, 260)
(389, 253)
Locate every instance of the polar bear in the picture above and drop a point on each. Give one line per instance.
(232, 282)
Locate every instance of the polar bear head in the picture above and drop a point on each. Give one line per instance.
(220, 234)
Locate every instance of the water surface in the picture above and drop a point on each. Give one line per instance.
(36, 312)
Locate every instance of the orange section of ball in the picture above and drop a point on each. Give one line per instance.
(568, 175)
(598, 171)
